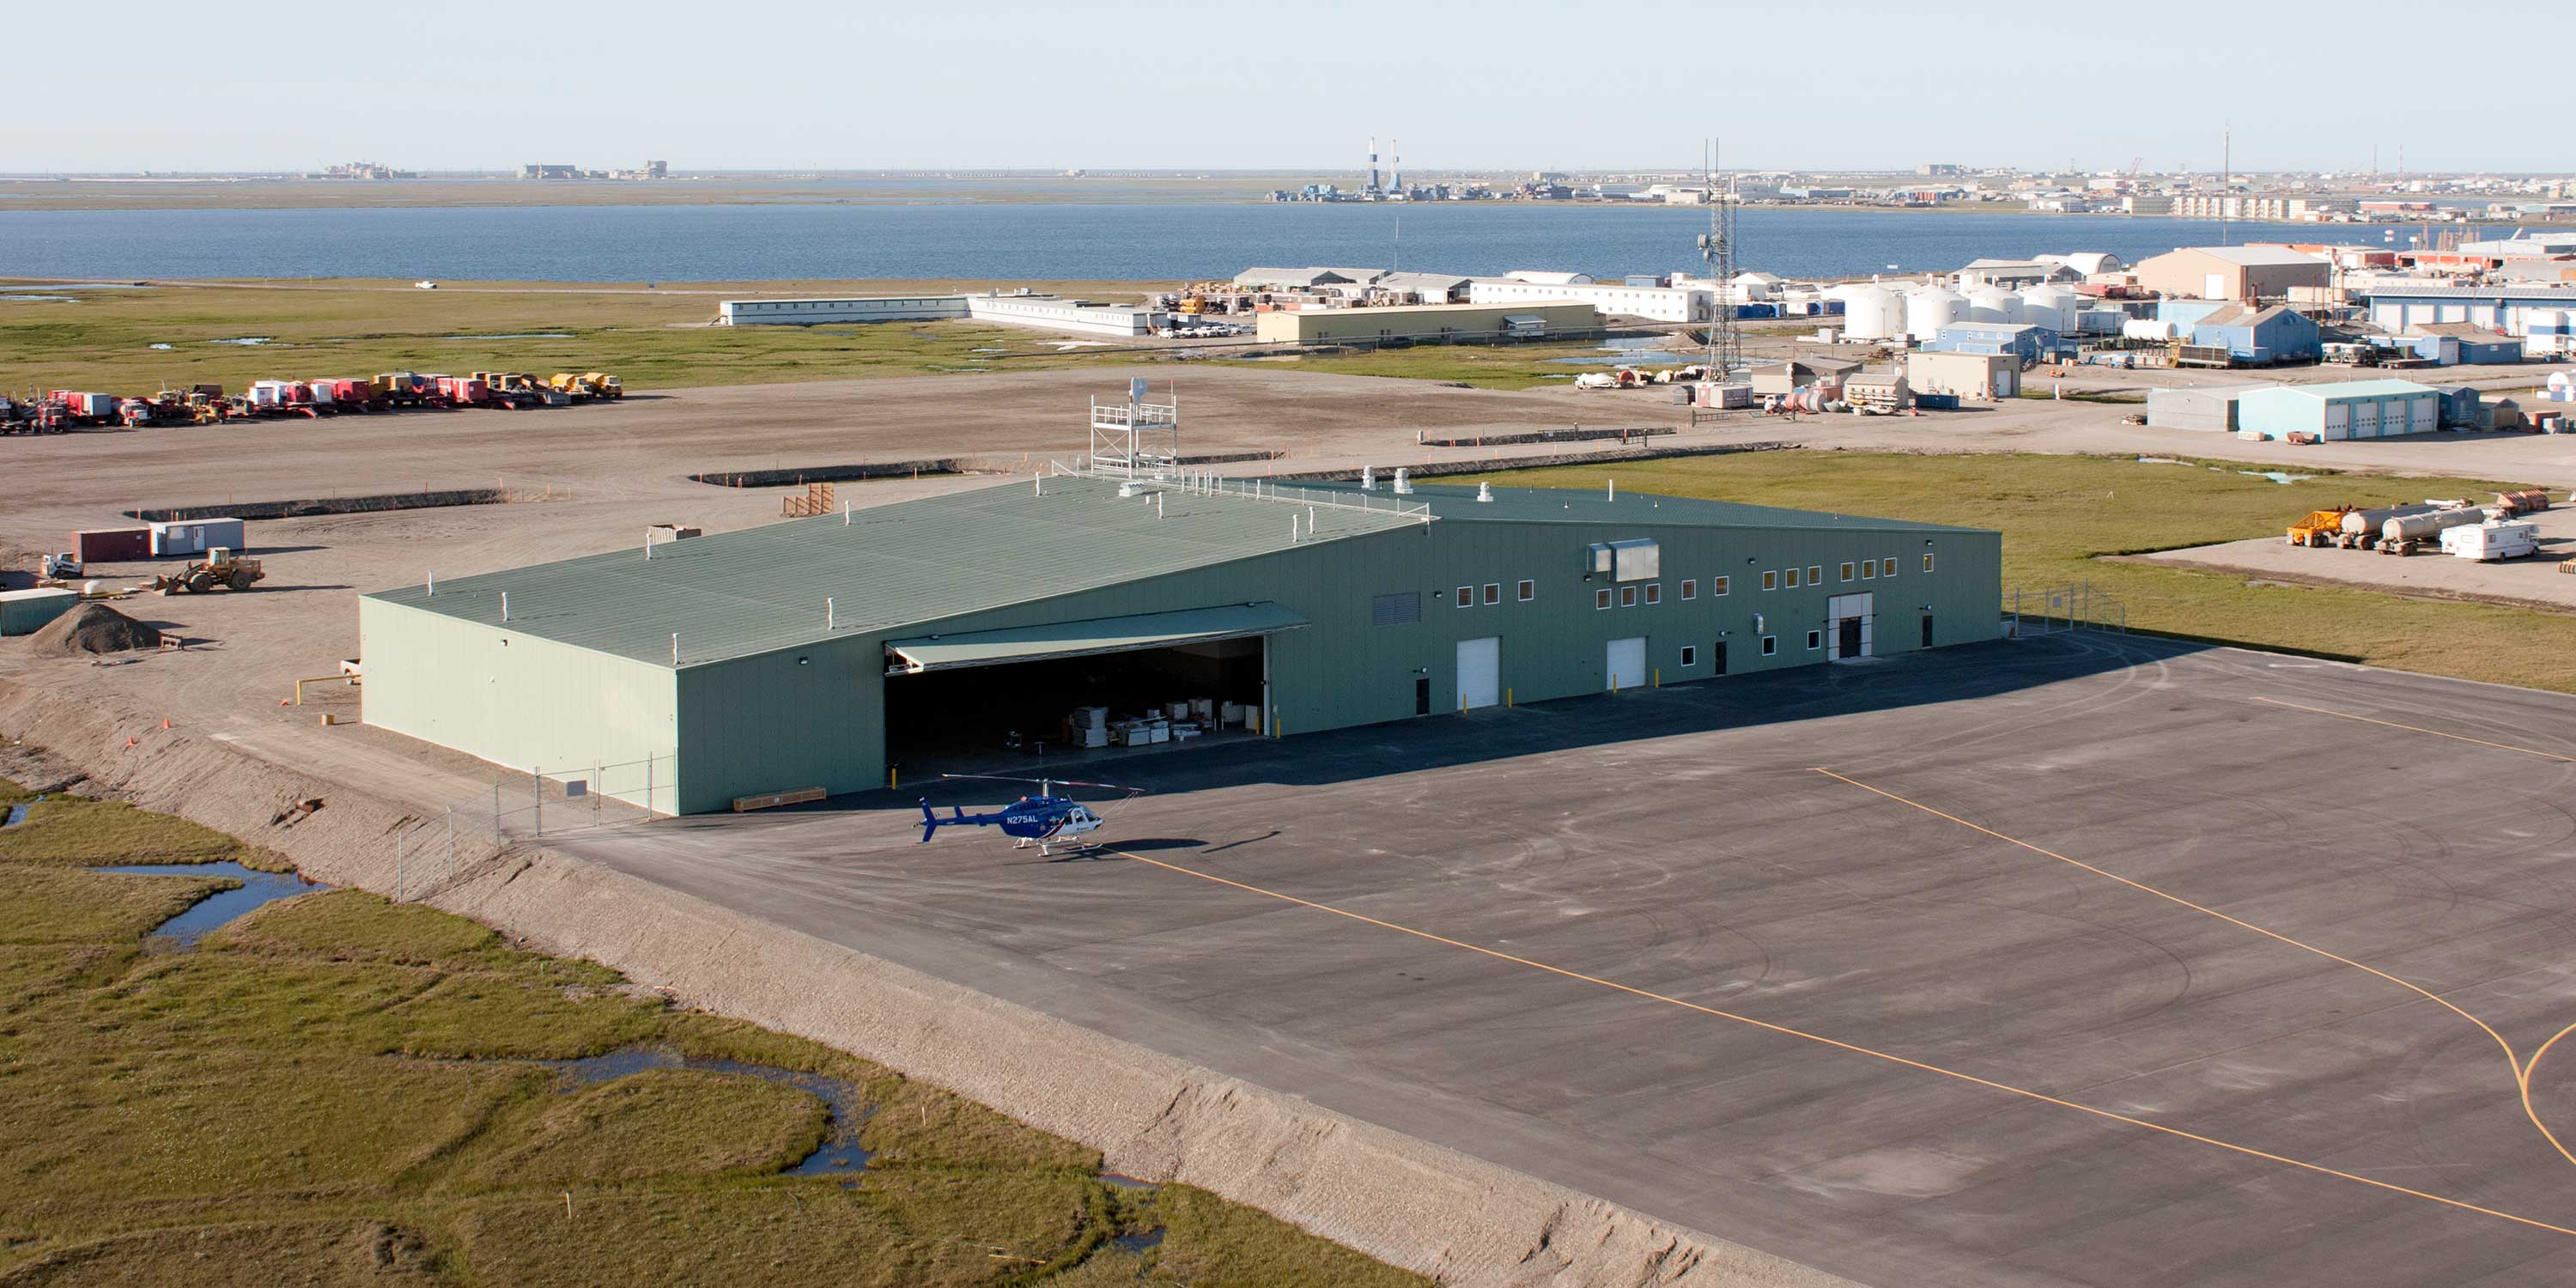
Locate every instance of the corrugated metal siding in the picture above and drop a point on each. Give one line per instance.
(515, 699)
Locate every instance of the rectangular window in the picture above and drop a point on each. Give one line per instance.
(1601, 598)
(1529, 591)
(1770, 581)
(1493, 592)
(1770, 645)
(1396, 610)
(1815, 640)
(1815, 575)
(1847, 572)
(1927, 561)
(1627, 597)
(1717, 586)
(1690, 655)
(1887, 566)
(1793, 579)
(1654, 592)
(1466, 596)
(1690, 589)
(1868, 569)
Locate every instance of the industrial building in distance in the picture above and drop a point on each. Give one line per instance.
(822, 652)
(1019, 308)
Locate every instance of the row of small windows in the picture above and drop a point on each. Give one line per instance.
(1651, 593)
(1469, 597)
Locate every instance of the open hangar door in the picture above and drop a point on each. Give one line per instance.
(979, 700)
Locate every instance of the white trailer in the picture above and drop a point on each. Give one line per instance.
(2490, 541)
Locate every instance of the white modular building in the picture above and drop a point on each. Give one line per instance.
(1657, 303)
(1043, 312)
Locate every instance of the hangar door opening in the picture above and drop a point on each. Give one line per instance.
(1480, 672)
(980, 698)
(1853, 619)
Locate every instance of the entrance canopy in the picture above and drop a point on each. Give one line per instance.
(1087, 638)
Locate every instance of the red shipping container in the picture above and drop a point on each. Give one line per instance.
(112, 545)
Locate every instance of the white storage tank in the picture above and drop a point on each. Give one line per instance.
(1993, 304)
(2150, 329)
(1872, 313)
(1932, 308)
(2054, 307)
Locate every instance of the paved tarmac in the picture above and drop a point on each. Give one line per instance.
(2080, 960)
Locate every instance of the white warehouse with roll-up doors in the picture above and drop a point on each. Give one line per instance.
(2350, 409)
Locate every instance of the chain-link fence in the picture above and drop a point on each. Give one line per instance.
(433, 851)
(2052, 610)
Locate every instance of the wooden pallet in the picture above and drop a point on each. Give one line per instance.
(816, 501)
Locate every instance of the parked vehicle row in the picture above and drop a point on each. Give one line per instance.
(60, 410)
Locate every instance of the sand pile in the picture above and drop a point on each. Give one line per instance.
(92, 627)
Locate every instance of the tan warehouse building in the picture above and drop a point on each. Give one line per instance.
(2232, 272)
(1430, 323)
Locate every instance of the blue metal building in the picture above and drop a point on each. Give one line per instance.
(2350, 409)
(2259, 336)
(2020, 339)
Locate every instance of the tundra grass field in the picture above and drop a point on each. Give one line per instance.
(102, 337)
(2066, 518)
(340, 1090)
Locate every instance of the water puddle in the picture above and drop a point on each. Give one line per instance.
(515, 335)
(1141, 1241)
(77, 286)
(159, 344)
(246, 341)
(2276, 476)
(222, 909)
(17, 815)
(1122, 1181)
(41, 299)
(838, 1155)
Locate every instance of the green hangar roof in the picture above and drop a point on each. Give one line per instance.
(762, 589)
(735, 594)
(1569, 505)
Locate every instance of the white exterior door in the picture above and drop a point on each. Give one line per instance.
(1627, 664)
(2213, 286)
(1843, 638)
(1480, 672)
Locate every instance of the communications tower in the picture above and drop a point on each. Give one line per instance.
(1717, 246)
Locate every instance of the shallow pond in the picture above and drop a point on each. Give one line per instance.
(838, 1155)
(225, 907)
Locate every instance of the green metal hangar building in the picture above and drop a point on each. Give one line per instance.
(821, 652)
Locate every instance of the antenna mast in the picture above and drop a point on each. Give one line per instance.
(1717, 246)
(2226, 174)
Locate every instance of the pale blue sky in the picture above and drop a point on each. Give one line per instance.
(290, 84)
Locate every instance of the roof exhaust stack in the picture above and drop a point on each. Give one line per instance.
(1485, 492)
(1403, 482)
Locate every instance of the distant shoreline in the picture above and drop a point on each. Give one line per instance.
(61, 195)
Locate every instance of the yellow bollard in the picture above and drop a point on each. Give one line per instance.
(1507, 699)
(1614, 682)
(890, 778)
(1659, 677)
(1462, 704)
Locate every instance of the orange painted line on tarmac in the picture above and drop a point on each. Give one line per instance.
(1852, 1048)
(2391, 724)
(2521, 1069)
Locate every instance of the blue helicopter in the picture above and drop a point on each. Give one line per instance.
(1046, 819)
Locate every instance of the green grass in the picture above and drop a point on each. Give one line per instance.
(337, 1089)
(650, 340)
(75, 830)
(1485, 366)
(2061, 514)
(41, 905)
